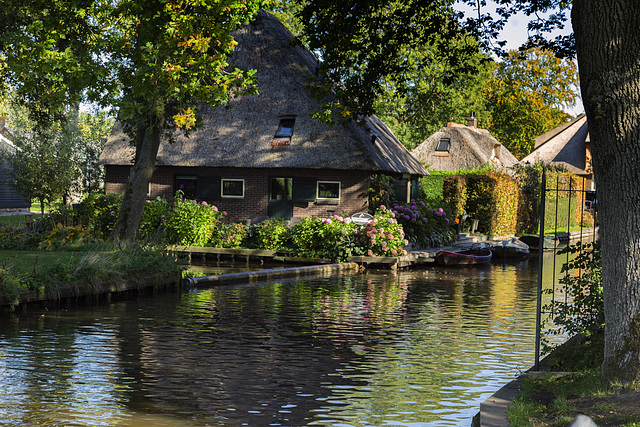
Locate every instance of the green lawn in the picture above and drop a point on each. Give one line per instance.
(14, 220)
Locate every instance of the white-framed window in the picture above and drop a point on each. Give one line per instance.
(233, 188)
(328, 190)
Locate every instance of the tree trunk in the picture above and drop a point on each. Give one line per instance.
(607, 37)
(135, 195)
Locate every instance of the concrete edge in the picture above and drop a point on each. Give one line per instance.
(279, 273)
(494, 410)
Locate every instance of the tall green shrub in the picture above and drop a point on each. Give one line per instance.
(454, 193)
(189, 222)
(98, 212)
(491, 198)
(529, 180)
(582, 310)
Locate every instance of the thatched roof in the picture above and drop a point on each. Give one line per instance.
(564, 146)
(241, 136)
(469, 148)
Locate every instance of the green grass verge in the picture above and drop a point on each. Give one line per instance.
(555, 400)
(15, 220)
(88, 269)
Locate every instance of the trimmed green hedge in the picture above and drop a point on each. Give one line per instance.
(491, 198)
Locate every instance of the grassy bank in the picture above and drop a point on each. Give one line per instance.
(83, 270)
(570, 385)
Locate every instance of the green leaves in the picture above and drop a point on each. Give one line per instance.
(527, 95)
(363, 42)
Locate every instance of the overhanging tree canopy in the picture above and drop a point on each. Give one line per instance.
(154, 61)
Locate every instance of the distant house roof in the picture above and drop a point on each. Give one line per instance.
(564, 146)
(244, 135)
(469, 147)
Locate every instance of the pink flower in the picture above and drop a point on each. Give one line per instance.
(383, 208)
(204, 203)
(344, 232)
(393, 251)
(370, 252)
(216, 209)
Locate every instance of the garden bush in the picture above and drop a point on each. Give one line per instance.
(581, 312)
(384, 235)
(424, 226)
(272, 234)
(151, 228)
(189, 222)
(232, 235)
(333, 238)
(98, 213)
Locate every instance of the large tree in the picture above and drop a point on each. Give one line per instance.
(608, 51)
(153, 61)
(527, 95)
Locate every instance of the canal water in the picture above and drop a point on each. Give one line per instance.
(415, 348)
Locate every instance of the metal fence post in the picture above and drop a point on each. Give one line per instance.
(543, 191)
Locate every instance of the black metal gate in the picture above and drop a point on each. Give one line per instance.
(564, 202)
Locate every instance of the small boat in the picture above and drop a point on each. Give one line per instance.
(477, 254)
(510, 248)
(549, 242)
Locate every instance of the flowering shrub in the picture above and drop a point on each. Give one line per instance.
(190, 222)
(230, 236)
(151, 222)
(99, 212)
(272, 234)
(425, 227)
(384, 235)
(335, 238)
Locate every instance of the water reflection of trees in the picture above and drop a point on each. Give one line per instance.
(427, 344)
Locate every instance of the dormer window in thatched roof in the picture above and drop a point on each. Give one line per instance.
(442, 149)
(285, 131)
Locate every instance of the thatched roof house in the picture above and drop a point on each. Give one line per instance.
(567, 146)
(266, 150)
(10, 199)
(456, 147)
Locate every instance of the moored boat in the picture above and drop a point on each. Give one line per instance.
(549, 242)
(477, 254)
(510, 248)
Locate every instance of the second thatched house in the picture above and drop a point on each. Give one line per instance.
(456, 147)
(567, 146)
(265, 156)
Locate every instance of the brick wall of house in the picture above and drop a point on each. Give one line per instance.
(353, 198)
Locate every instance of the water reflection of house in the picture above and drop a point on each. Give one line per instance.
(456, 147)
(567, 146)
(266, 155)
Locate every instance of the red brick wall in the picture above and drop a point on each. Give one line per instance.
(353, 198)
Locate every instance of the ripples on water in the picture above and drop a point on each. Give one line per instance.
(413, 349)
